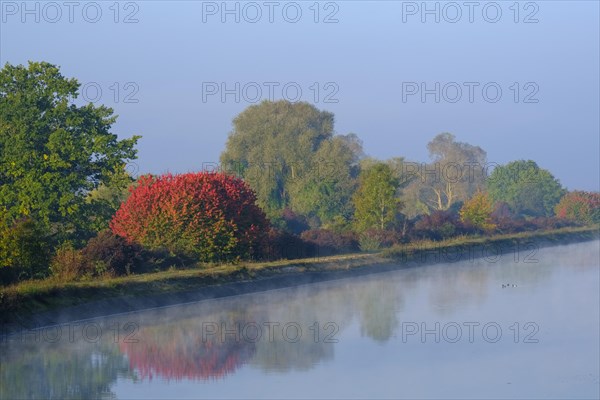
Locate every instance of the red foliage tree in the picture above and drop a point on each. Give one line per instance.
(209, 215)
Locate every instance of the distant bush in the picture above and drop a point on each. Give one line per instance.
(330, 242)
(502, 211)
(284, 245)
(108, 254)
(515, 225)
(24, 250)
(375, 239)
(367, 242)
(580, 207)
(440, 225)
(293, 222)
(68, 263)
(544, 223)
(105, 255)
(8, 275)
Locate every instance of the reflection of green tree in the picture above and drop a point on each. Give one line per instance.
(59, 371)
(378, 314)
(282, 356)
(379, 300)
(304, 306)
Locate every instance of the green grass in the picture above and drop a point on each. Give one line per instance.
(32, 297)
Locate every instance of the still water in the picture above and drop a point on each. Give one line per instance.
(500, 328)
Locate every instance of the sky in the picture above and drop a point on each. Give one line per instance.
(518, 79)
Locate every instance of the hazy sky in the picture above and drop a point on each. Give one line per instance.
(370, 61)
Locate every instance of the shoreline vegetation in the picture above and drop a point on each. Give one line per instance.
(290, 202)
(49, 301)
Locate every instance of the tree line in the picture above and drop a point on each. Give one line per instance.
(68, 206)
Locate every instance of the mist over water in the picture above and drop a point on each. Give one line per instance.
(471, 329)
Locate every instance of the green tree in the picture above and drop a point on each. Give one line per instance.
(375, 201)
(108, 196)
(24, 251)
(527, 189)
(288, 154)
(52, 152)
(327, 191)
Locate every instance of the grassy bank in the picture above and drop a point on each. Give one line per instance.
(523, 245)
(35, 297)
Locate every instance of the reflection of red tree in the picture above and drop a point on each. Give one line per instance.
(176, 353)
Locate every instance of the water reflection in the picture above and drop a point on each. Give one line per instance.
(178, 351)
(281, 331)
(35, 368)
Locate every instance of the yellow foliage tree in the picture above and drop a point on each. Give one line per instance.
(478, 211)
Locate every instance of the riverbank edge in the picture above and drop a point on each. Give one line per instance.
(49, 303)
